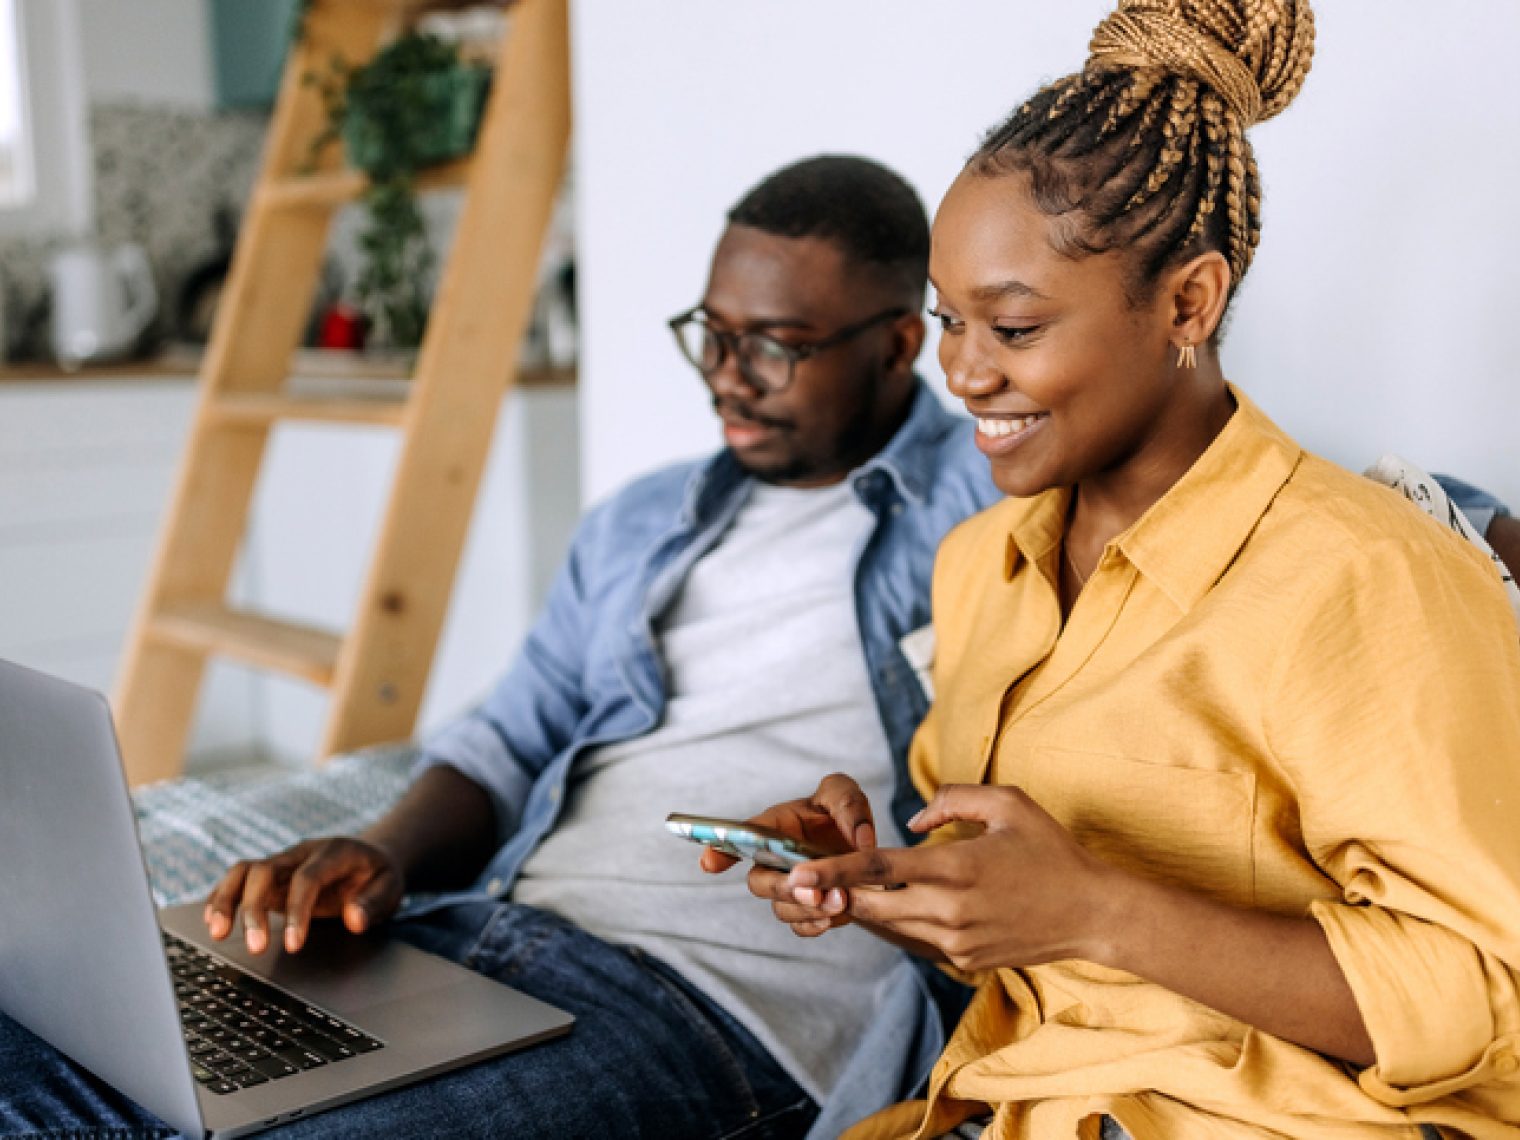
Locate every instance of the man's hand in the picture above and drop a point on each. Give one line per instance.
(837, 817)
(1021, 893)
(320, 878)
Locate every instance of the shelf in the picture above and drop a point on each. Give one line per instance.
(172, 364)
(330, 189)
(341, 374)
(209, 627)
(331, 368)
(257, 409)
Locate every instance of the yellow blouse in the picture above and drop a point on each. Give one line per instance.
(1283, 687)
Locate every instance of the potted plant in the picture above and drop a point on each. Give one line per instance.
(416, 103)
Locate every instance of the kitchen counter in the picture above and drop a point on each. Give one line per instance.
(177, 363)
(308, 364)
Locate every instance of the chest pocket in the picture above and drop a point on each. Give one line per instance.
(1188, 826)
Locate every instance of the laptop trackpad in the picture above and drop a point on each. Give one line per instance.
(391, 990)
(344, 972)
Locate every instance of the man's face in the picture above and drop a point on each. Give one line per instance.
(842, 404)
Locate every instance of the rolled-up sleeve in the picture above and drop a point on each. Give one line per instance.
(1395, 714)
(472, 746)
(1436, 1007)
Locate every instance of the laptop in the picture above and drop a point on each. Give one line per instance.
(227, 1043)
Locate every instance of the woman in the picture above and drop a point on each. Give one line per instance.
(1226, 742)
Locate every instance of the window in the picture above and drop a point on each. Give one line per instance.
(17, 184)
(45, 177)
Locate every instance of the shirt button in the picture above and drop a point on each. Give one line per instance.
(494, 887)
(897, 508)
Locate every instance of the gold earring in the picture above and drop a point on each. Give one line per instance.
(1187, 357)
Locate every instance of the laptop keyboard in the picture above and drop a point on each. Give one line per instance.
(242, 1031)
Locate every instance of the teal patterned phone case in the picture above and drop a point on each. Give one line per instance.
(742, 840)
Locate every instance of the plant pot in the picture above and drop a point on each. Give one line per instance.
(445, 109)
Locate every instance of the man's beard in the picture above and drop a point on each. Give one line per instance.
(798, 466)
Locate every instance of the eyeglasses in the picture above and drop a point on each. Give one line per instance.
(766, 363)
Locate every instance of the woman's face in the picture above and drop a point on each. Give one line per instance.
(1070, 382)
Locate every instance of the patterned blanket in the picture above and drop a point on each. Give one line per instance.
(193, 829)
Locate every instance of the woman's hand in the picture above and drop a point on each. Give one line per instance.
(837, 817)
(1020, 893)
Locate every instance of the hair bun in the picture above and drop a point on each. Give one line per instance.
(1254, 54)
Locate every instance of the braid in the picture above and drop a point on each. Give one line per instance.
(1214, 132)
(1240, 165)
(1145, 148)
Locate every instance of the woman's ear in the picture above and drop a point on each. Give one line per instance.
(1197, 292)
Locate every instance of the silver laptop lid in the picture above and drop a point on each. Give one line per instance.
(81, 963)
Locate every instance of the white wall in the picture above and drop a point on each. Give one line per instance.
(1375, 318)
(1379, 313)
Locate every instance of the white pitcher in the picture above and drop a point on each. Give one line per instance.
(102, 302)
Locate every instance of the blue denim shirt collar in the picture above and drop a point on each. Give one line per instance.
(911, 458)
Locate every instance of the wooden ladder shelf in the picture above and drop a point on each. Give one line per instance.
(377, 670)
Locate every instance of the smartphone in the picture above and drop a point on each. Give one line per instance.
(764, 845)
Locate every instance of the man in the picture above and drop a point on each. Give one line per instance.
(722, 632)
(1490, 517)
(1503, 534)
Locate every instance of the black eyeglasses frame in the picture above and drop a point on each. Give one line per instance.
(728, 342)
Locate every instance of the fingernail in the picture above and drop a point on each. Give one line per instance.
(834, 901)
(798, 877)
(292, 939)
(257, 940)
(806, 896)
(865, 836)
(918, 815)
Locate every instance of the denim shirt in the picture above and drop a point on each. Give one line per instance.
(590, 674)
(1478, 505)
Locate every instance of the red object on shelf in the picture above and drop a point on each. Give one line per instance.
(343, 326)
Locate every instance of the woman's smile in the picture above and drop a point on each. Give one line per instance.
(998, 434)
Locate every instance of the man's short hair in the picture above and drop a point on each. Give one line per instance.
(868, 211)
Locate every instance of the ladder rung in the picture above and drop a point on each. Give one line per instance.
(299, 650)
(339, 187)
(257, 408)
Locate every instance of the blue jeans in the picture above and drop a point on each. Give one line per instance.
(648, 1056)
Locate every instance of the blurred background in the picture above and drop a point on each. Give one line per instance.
(1376, 316)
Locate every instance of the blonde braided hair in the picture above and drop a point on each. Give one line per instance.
(1145, 148)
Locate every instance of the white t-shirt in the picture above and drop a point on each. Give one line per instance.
(768, 693)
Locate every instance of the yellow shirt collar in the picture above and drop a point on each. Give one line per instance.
(1232, 484)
